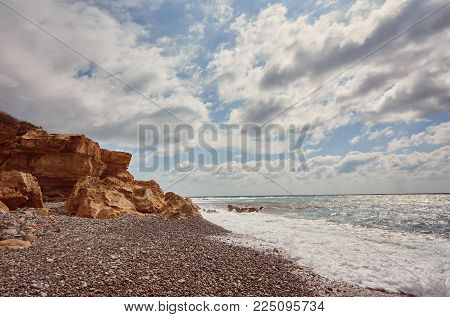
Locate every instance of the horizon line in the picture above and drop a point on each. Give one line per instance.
(389, 194)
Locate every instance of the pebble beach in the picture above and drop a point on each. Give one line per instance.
(147, 256)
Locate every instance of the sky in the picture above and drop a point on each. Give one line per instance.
(371, 80)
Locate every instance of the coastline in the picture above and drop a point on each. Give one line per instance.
(150, 256)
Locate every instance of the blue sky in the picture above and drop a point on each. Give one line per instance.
(382, 126)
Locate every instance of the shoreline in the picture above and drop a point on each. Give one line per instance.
(151, 256)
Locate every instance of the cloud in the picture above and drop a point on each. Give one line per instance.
(355, 140)
(214, 61)
(354, 160)
(44, 82)
(218, 11)
(372, 135)
(277, 61)
(369, 165)
(334, 53)
(354, 172)
(433, 135)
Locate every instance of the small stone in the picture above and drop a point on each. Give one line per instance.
(181, 280)
(43, 294)
(29, 237)
(50, 260)
(43, 212)
(14, 244)
(29, 213)
(10, 231)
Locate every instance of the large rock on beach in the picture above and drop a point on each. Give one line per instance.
(100, 198)
(244, 208)
(111, 197)
(177, 207)
(147, 196)
(19, 189)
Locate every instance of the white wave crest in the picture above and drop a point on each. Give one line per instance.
(411, 263)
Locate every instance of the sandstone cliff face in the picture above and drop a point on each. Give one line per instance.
(58, 161)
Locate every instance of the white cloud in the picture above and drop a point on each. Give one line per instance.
(218, 12)
(355, 140)
(40, 79)
(354, 172)
(274, 61)
(372, 135)
(379, 133)
(277, 60)
(434, 134)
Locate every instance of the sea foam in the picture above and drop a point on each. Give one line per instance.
(395, 261)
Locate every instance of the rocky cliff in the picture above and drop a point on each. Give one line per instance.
(95, 182)
(58, 161)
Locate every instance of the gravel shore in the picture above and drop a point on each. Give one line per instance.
(147, 256)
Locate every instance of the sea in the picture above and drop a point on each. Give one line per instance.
(398, 243)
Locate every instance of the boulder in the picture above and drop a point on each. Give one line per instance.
(244, 209)
(111, 197)
(117, 164)
(115, 157)
(147, 196)
(3, 208)
(118, 172)
(100, 198)
(19, 189)
(177, 207)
